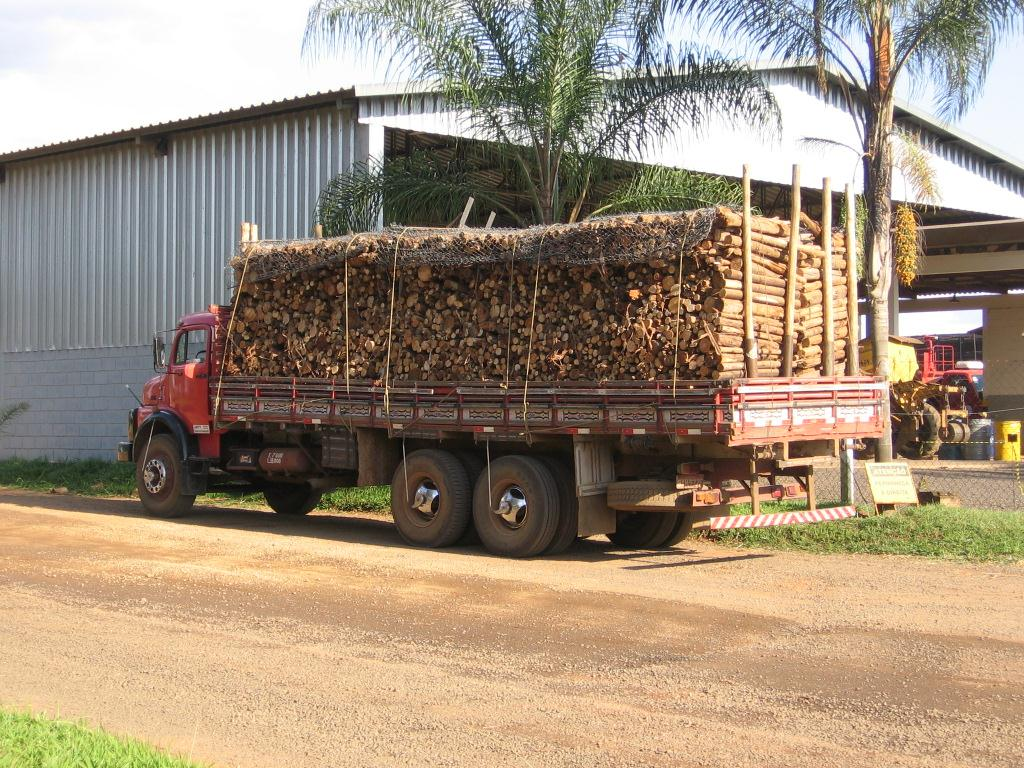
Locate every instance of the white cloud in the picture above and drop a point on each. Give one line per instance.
(72, 69)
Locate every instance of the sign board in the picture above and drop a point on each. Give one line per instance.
(891, 483)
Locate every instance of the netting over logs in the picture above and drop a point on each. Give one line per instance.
(623, 239)
(638, 297)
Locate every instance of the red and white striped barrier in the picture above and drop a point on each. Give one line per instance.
(781, 518)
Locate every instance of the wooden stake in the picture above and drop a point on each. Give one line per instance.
(318, 231)
(465, 212)
(852, 349)
(244, 233)
(254, 233)
(791, 276)
(828, 300)
(749, 342)
(490, 220)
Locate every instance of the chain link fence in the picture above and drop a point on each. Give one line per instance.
(977, 484)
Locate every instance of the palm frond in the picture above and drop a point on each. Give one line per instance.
(685, 90)
(415, 190)
(947, 46)
(352, 202)
(9, 412)
(669, 189)
(564, 82)
(822, 144)
(915, 165)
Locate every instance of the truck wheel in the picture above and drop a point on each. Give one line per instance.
(643, 530)
(291, 498)
(474, 464)
(430, 498)
(568, 505)
(683, 527)
(160, 476)
(516, 513)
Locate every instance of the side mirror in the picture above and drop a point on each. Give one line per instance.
(159, 361)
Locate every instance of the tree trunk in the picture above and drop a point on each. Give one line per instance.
(878, 195)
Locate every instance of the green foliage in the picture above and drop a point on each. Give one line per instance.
(556, 87)
(654, 188)
(374, 498)
(928, 531)
(9, 412)
(28, 741)
(943, 47)
(860, 227)
(417, 189)
(912, 160)
(91, 477)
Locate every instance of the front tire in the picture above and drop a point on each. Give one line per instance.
(291, 498)
(160, 478)
(515, 507)
(430, 498)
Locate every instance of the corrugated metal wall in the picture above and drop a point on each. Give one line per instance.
(100, 247)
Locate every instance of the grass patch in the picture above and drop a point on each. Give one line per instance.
(91, 477)
(29, 741)
(108, 478)
(928, 531)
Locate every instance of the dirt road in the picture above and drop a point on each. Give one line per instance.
(251, 640)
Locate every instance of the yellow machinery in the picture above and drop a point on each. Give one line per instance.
(921, 416)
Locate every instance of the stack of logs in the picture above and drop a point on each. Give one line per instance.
(370, 307)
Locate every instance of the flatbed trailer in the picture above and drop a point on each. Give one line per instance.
(530, 467)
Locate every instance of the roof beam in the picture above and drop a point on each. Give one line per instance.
(979, 261)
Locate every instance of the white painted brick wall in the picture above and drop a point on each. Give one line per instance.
(78, 403)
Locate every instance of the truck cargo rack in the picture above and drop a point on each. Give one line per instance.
(736, 412)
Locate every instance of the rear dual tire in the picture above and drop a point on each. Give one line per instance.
(520, 506)
(516, 506)
(431, 498)
(651, 530)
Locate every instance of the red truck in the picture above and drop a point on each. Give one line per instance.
(939, 366)
(530, 471)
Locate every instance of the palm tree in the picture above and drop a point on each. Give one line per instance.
(557, 94)
(943, 47)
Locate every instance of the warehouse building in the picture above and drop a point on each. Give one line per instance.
(106, 239)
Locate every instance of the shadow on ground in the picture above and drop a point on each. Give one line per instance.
(352, 528)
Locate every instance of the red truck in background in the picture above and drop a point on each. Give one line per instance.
(939, 366)
(531, 469)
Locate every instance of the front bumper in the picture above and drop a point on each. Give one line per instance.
(124, 452)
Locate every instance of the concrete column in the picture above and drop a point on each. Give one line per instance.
(1004, 362)
(894, 307)
(370, 150)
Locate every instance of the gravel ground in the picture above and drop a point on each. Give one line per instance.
(246, 639)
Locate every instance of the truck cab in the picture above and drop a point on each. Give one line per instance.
(170, 435)
(180, 451)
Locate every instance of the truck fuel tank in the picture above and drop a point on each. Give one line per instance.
(286, 460)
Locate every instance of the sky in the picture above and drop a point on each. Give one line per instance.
(73, 68)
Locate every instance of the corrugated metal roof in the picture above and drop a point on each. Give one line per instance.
(905, 112)
(309, 101)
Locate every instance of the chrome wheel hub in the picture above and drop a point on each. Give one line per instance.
(512, 507)
(426, 499)
(154, 475)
